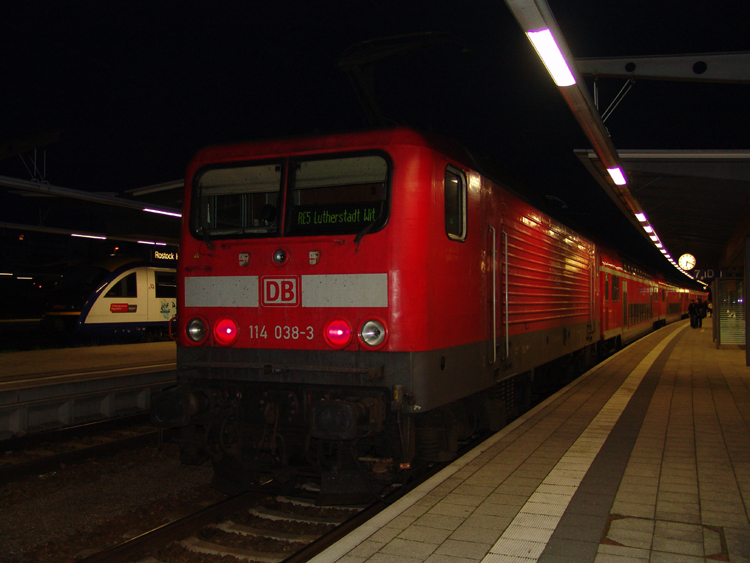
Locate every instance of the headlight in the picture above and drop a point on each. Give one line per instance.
(225, 331)
(280, 256)
(196, 330)
(372, 333)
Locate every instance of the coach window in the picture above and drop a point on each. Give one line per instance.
(126, 287)
(455, 204)
(606, 287)
(615, 288)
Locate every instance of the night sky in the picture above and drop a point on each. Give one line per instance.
(136, 88)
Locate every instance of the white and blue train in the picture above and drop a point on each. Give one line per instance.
(117, 297)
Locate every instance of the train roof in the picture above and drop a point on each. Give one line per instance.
(112, 263)
(354, 140)
(332, 141)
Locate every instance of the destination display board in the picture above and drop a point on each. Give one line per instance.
(333, 218)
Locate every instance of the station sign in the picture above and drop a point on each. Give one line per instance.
(709, 275)
(164, 255)
(704, 275)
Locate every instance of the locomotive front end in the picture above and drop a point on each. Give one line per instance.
(285, 329)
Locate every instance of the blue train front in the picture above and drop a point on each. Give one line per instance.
(116, 298)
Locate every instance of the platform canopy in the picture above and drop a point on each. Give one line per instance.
(685, 202)
(697, 202)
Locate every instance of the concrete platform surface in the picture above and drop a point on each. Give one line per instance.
(644, 458)
(70, 360)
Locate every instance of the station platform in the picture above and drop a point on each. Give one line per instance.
(646, 457)
(44, 390)
(42, 367)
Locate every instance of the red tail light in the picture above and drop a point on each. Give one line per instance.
(337, 333)
(225, 331)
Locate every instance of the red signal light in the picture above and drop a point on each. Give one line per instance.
(337, 333)
(225, 331)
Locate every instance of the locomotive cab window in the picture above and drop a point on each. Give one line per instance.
(237, 200)
(344, 195)
(126, 287)
(455, 204)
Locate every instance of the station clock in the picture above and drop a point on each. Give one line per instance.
(686, 261)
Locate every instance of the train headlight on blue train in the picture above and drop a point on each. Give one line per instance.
(372, 333)
(226, 331)
(196, 330)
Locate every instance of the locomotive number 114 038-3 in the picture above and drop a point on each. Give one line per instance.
(282, 332)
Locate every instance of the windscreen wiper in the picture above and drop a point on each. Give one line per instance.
(361, 234)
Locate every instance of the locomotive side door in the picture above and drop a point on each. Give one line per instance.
(492, 268)
(495, 276)
(624, 304)
(493, 290)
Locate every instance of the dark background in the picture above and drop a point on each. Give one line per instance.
(136, 88)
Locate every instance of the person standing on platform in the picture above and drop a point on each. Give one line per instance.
(701, 312)
(693, 312)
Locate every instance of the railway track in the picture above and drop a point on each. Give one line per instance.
(256, 526)
(42, 453)
(265, 528)
(247, 527)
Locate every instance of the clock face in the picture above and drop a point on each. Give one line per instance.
(687, 261)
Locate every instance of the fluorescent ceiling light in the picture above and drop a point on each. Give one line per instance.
(659, 245)
(551, 56)
(617, 176)
(160, 212)
(97, 237)
(152, 243)
(654, 238)
(648, 228)
(641, 217)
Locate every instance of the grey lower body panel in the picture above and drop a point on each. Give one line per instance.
(434, 378)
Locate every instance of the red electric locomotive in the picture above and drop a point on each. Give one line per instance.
(351, 303)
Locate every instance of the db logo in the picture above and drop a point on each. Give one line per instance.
(280, 292)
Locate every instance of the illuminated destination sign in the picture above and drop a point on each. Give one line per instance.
(338, 218)
(164, 255)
